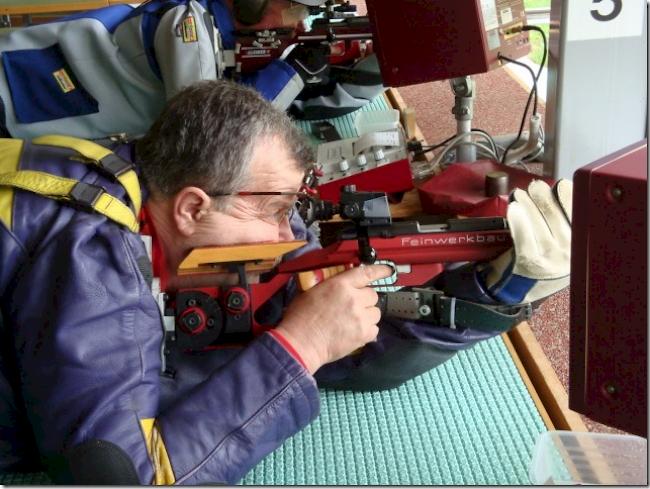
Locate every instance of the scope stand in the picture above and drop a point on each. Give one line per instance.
(464, 89)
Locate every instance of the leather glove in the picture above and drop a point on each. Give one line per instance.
(539, 263)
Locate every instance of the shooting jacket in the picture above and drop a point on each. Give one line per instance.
(111, 70)
(81, 350)
(83, 334)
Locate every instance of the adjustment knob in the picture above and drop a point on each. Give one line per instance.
(237, 300)
(344, 165)
(192, 320)
(379, 154)
(362, 160)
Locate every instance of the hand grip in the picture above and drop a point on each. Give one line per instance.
(306, 280)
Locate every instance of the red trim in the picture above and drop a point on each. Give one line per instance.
(158, 261)
(285, 343)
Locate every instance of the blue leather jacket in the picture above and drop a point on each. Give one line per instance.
(84, 363)
(80, 358)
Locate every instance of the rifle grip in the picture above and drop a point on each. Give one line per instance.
(306, 280)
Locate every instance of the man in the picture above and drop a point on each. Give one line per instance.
(81, 360)
(85, 331)
(111, 70)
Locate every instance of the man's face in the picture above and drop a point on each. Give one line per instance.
(278, 13)
(256, 218)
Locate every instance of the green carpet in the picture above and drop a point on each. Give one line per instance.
(469, 421)
(345, 123)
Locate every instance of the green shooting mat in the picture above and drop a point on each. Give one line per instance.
(345, 124)
(469, 421)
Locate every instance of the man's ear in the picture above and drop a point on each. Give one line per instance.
(189, 206)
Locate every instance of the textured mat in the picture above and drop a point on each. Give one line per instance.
(345, 123)
(469, 421)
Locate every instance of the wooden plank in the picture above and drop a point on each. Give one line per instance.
(545, 380)
(396, 100)
(258, 257)
(22, 7)
(539, 404)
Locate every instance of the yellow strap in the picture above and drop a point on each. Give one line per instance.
(60, 188)
(10, 151)
(95, 153)
(163, 472)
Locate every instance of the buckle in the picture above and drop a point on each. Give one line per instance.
(86, 194)
(115, 165)
(430, 309)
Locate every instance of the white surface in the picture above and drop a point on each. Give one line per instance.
(376, 120)
(582, 25)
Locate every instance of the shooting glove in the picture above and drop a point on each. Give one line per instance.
(539, 263)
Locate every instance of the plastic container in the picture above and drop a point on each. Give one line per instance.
(569, 458)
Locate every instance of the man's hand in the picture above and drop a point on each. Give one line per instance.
(334, 318)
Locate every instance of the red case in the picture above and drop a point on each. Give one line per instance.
(418, 41)
(609, 291)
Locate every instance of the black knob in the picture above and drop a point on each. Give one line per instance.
(235, 301)
(192, 321)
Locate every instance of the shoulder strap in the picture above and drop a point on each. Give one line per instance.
(85, 195)
(103, 158)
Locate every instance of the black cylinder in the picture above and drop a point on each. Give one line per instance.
(496, 183)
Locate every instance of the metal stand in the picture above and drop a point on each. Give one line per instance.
(464, 91)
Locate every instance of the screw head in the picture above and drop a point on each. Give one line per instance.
(424, 310)
(235, 301)
(610, 390)
(192, 321)
(616, 193)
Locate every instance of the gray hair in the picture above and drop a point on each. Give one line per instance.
(206, 135)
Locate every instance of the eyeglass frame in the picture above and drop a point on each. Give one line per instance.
(301, 193)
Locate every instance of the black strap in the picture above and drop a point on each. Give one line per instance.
(454, 313)
(430, 305)
(355, 76)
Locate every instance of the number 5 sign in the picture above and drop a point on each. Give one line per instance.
(602, 19)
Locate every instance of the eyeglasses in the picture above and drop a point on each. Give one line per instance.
(287, 213)
(299, 194)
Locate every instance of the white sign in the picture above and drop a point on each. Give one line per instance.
(506, 15)
(604, 19)
(490, 19)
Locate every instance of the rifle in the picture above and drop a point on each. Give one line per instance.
(203, 318)
(339, 36)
